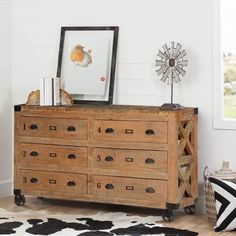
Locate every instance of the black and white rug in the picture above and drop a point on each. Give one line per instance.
(31, 223)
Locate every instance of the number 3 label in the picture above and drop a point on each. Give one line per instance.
(24, 180)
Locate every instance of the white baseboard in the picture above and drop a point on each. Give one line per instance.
(200, 205)
(6, 188)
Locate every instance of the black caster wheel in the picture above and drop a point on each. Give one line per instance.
(41, 198)
(190, 210)
(167, 215)
(20, 200)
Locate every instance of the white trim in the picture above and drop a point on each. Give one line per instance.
(6, 181)
(219, 122)
(5, 187)
(201, 205)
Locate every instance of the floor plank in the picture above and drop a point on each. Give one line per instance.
(196, 222)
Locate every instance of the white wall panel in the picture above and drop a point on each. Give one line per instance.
(5, 98)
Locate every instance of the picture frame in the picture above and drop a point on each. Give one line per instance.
(87, 62)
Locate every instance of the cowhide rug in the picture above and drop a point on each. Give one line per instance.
(101, 224)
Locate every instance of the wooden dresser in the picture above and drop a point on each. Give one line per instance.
(132, 155)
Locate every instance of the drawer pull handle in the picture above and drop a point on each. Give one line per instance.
(34, 154)
(71, 156)
(131, 188)
(34, 180)
(33, 126)
(149, 132)
(109, 130)
(52, 154)
(129, 159)
(71, 184)
(71, 129)
(129, 131)
(109, 158)
(52, 127)
(52, 181)
(149, 161)
(150, 190)
(109, 186)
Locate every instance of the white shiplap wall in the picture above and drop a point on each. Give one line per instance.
(5, 98)
(145, 25)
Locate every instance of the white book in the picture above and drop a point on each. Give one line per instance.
(50, 95)
(42, 92)
(48, 91)
(56, 91)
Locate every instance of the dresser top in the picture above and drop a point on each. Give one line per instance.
(107, 108)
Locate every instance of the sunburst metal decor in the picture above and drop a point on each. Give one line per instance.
(171, 69)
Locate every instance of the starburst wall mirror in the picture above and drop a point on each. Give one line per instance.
(171, 65)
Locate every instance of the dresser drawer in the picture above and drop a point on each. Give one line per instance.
(73, 183)
(32, 180)
(53, 127)
(130, 131)
(54, 181)
(51, 181)
(53, 154)
(130, 159)
(145, 189)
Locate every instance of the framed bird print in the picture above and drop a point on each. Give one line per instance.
(87, 61)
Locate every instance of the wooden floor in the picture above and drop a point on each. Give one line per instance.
(197, 222)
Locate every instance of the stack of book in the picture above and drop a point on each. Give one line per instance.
(50, 91)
